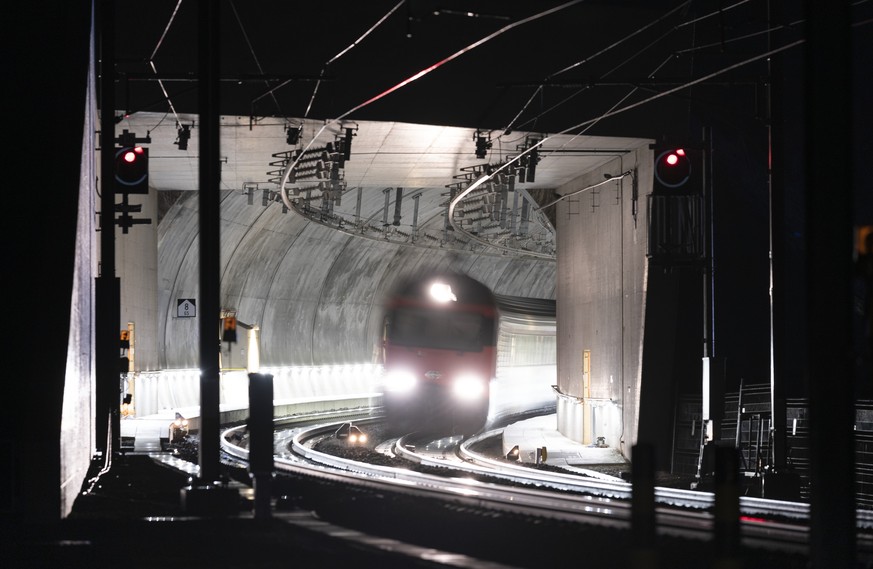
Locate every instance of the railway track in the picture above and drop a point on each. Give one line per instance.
(458, 476)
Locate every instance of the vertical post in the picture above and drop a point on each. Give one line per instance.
(260, 426)
(387, 192)
(397, 206)
(107, 286)
(210, 346)
(415, 198)
(504, 202)
(253, 357)
(829, 189)
(513, 219)
(726, 523)
(708, 330)
(525, 217)
(643, 520)
(207, 495)
(358, 206)
(586, 397)
(777, 258)
(447, 225)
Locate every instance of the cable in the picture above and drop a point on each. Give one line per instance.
(585, 189)
(621, 41)
(451, 214)
(152, 61)
(365, 34)
(459, 53)
(508, 128)
(588, 59)
(484, 178)
(107, 464)
(610, 72)
(689, 84)
(270, 92)
(619, 102)
(343, 52)
(666, 15)
(166, 29)
(711, 14)
(420, 74)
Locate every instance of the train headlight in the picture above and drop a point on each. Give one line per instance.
(356, 438)
(468, 387)
(400, 381)
(442, 292)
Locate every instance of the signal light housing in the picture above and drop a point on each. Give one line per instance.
(132, 170)
(675, 206)
(672, 169)
(229, 334)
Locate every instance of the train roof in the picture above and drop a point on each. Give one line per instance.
(471, 290)
(468, 289)
(526, 306)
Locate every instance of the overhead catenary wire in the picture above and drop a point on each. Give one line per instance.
(270, 92)
(690, 83)
(718, 12)
(769, 30)
(152, 61)
(512, 125)
(344, 51)
(291, 165)
(607, 74)
(486, 177)
(459, 53)
(615, 106)
(615, 44)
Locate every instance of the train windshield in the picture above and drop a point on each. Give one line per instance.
(446, 330)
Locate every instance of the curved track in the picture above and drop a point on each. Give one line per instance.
(470, 479)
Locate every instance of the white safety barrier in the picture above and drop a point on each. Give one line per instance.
(154, 393)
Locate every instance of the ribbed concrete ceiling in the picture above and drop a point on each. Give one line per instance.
(316, 289)
(425, 162)
(383, 155)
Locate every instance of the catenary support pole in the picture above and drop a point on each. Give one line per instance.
(209, 241)
(726, 513)
(260, 426)
(209, 495)
(643, 522)
(107, 286)
(829, 221)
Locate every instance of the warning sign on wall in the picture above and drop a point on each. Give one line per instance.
(186, 308)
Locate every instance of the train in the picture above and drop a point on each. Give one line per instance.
(441, 348)
(439, 354)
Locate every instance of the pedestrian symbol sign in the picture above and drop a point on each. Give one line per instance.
(186, 308)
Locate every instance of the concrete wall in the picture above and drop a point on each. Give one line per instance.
(315, 293)
(77, 420)
(601, 285)
(136, 255)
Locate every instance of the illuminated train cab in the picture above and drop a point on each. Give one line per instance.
(439, 353)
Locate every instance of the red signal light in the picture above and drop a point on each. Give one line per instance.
(132, 170)
(132, 155)
(673, 157)
(672, 168)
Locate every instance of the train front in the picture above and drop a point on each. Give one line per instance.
(439, 355)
